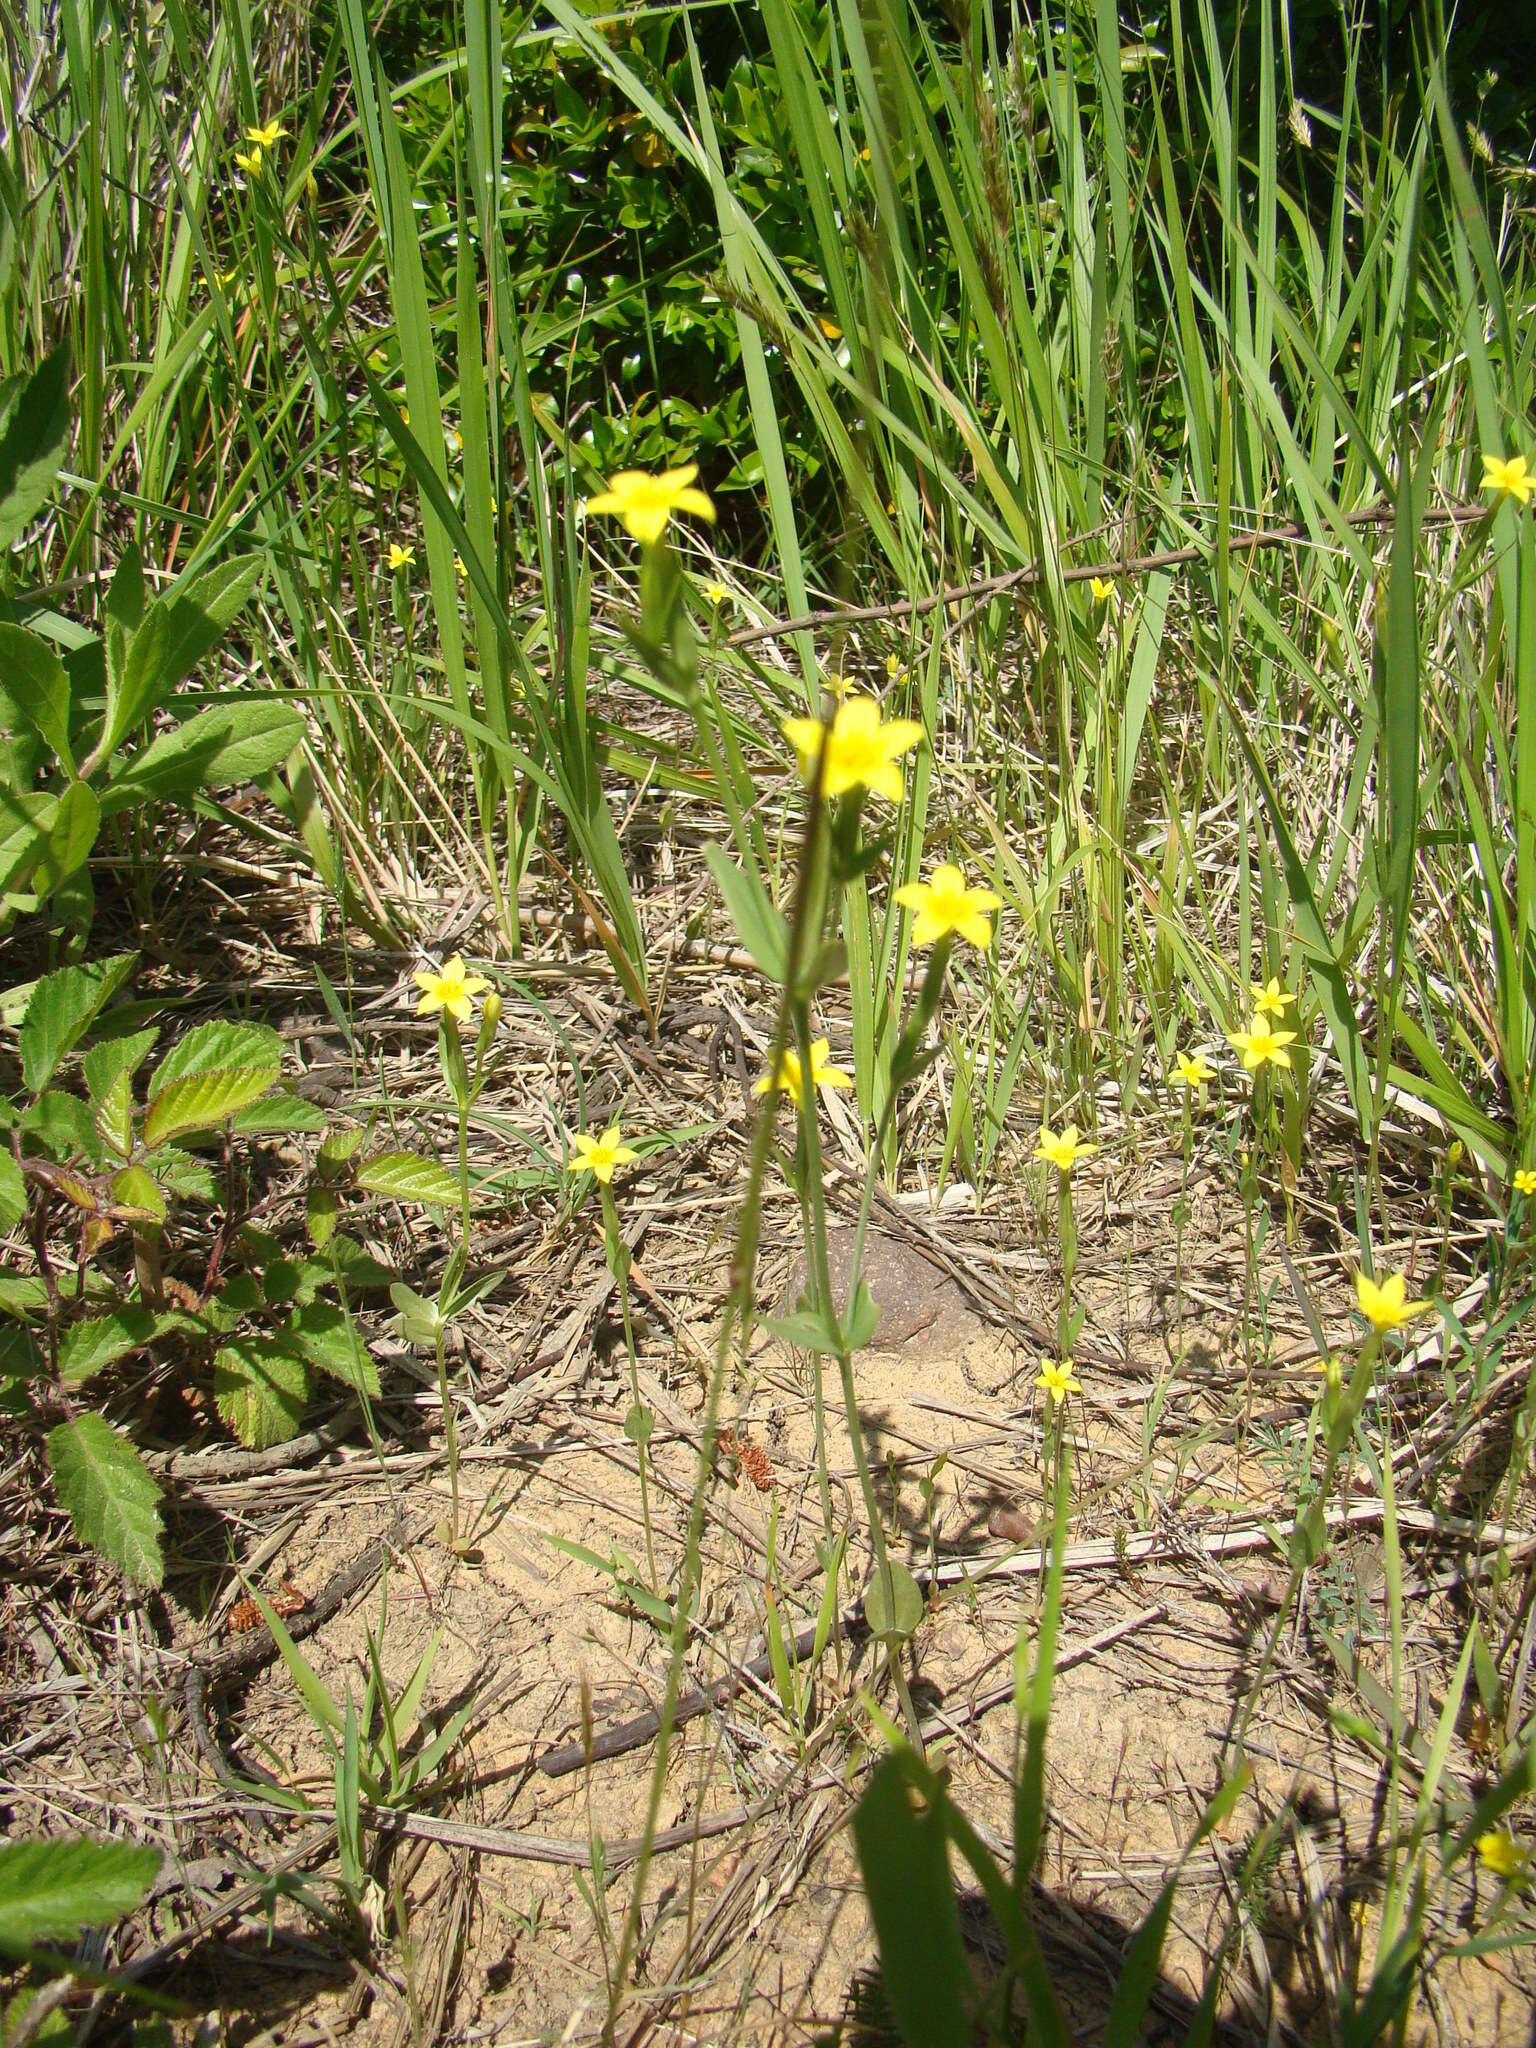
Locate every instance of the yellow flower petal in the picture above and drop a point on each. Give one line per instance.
(1386, 1307)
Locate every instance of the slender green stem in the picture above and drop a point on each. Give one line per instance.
(637, 1424)
(450, 1427)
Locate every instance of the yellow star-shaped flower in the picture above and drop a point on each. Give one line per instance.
(1499, 1852)
(717, 594)
(400, 557)
(600, 1157)
(251, 165)
(1057, 1380)
(644, 503)
(944, 905)
(788, 1077)
(1510, 476)
(1193, 1073)
(450, 989)
(1063, 1151)
(861, 751)
(1387, 1307)
(1525, 1180)
(1261, 1045)
(266, 137)
(1269, 998)
(1102, 590)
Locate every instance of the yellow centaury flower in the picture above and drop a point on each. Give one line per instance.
(1102, 591)
(1194, 1073)
(1058, 1380)
(399, 557)
(1525, 1180)
(1511, 477)
(450, 989)
(1499, 1852)
(861, 751)
(716, 594)
(251, 165)
(946, 905)
(1062, 1152)
(266, 137)
(787, 1076)
(644, 503)
(1269, 998)
(599, 1156)
(1387, 1307)
(1261, 1045)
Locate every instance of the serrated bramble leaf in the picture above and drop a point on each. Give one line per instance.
(204, 1101)
(338, 1149)
(328, 1338)
(321, 1210)
(189, 1179)
(99, 1341)
(62, 1125)
(62, 1008)
(279, 1116)
(112, 1501)
(113, 1057)
(216, 1071)
(50, 1891)
(407, 1177)
(214, 1047)
(112, 1116)
(261, 1391)
(137, 1197)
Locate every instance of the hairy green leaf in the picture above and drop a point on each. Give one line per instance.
(50, 1891)
(34, 434)
(62, 1008)
(407, 1177)
(261, 1391)
(111, 1499)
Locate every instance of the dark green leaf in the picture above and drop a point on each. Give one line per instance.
(219, 748)
(36, 683)
(261, 1390)
(100, 1340)
(112, 1501)
(903, 1854)
(67, 838)
(50, 1891)
(34, 434)
(62, 1008)
(328, 1338)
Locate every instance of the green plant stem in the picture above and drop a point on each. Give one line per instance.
(636, 1423)
(1307, 1537)
(450, 1427)
(818, 1393)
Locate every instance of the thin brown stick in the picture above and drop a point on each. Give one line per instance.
(1035, 572)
